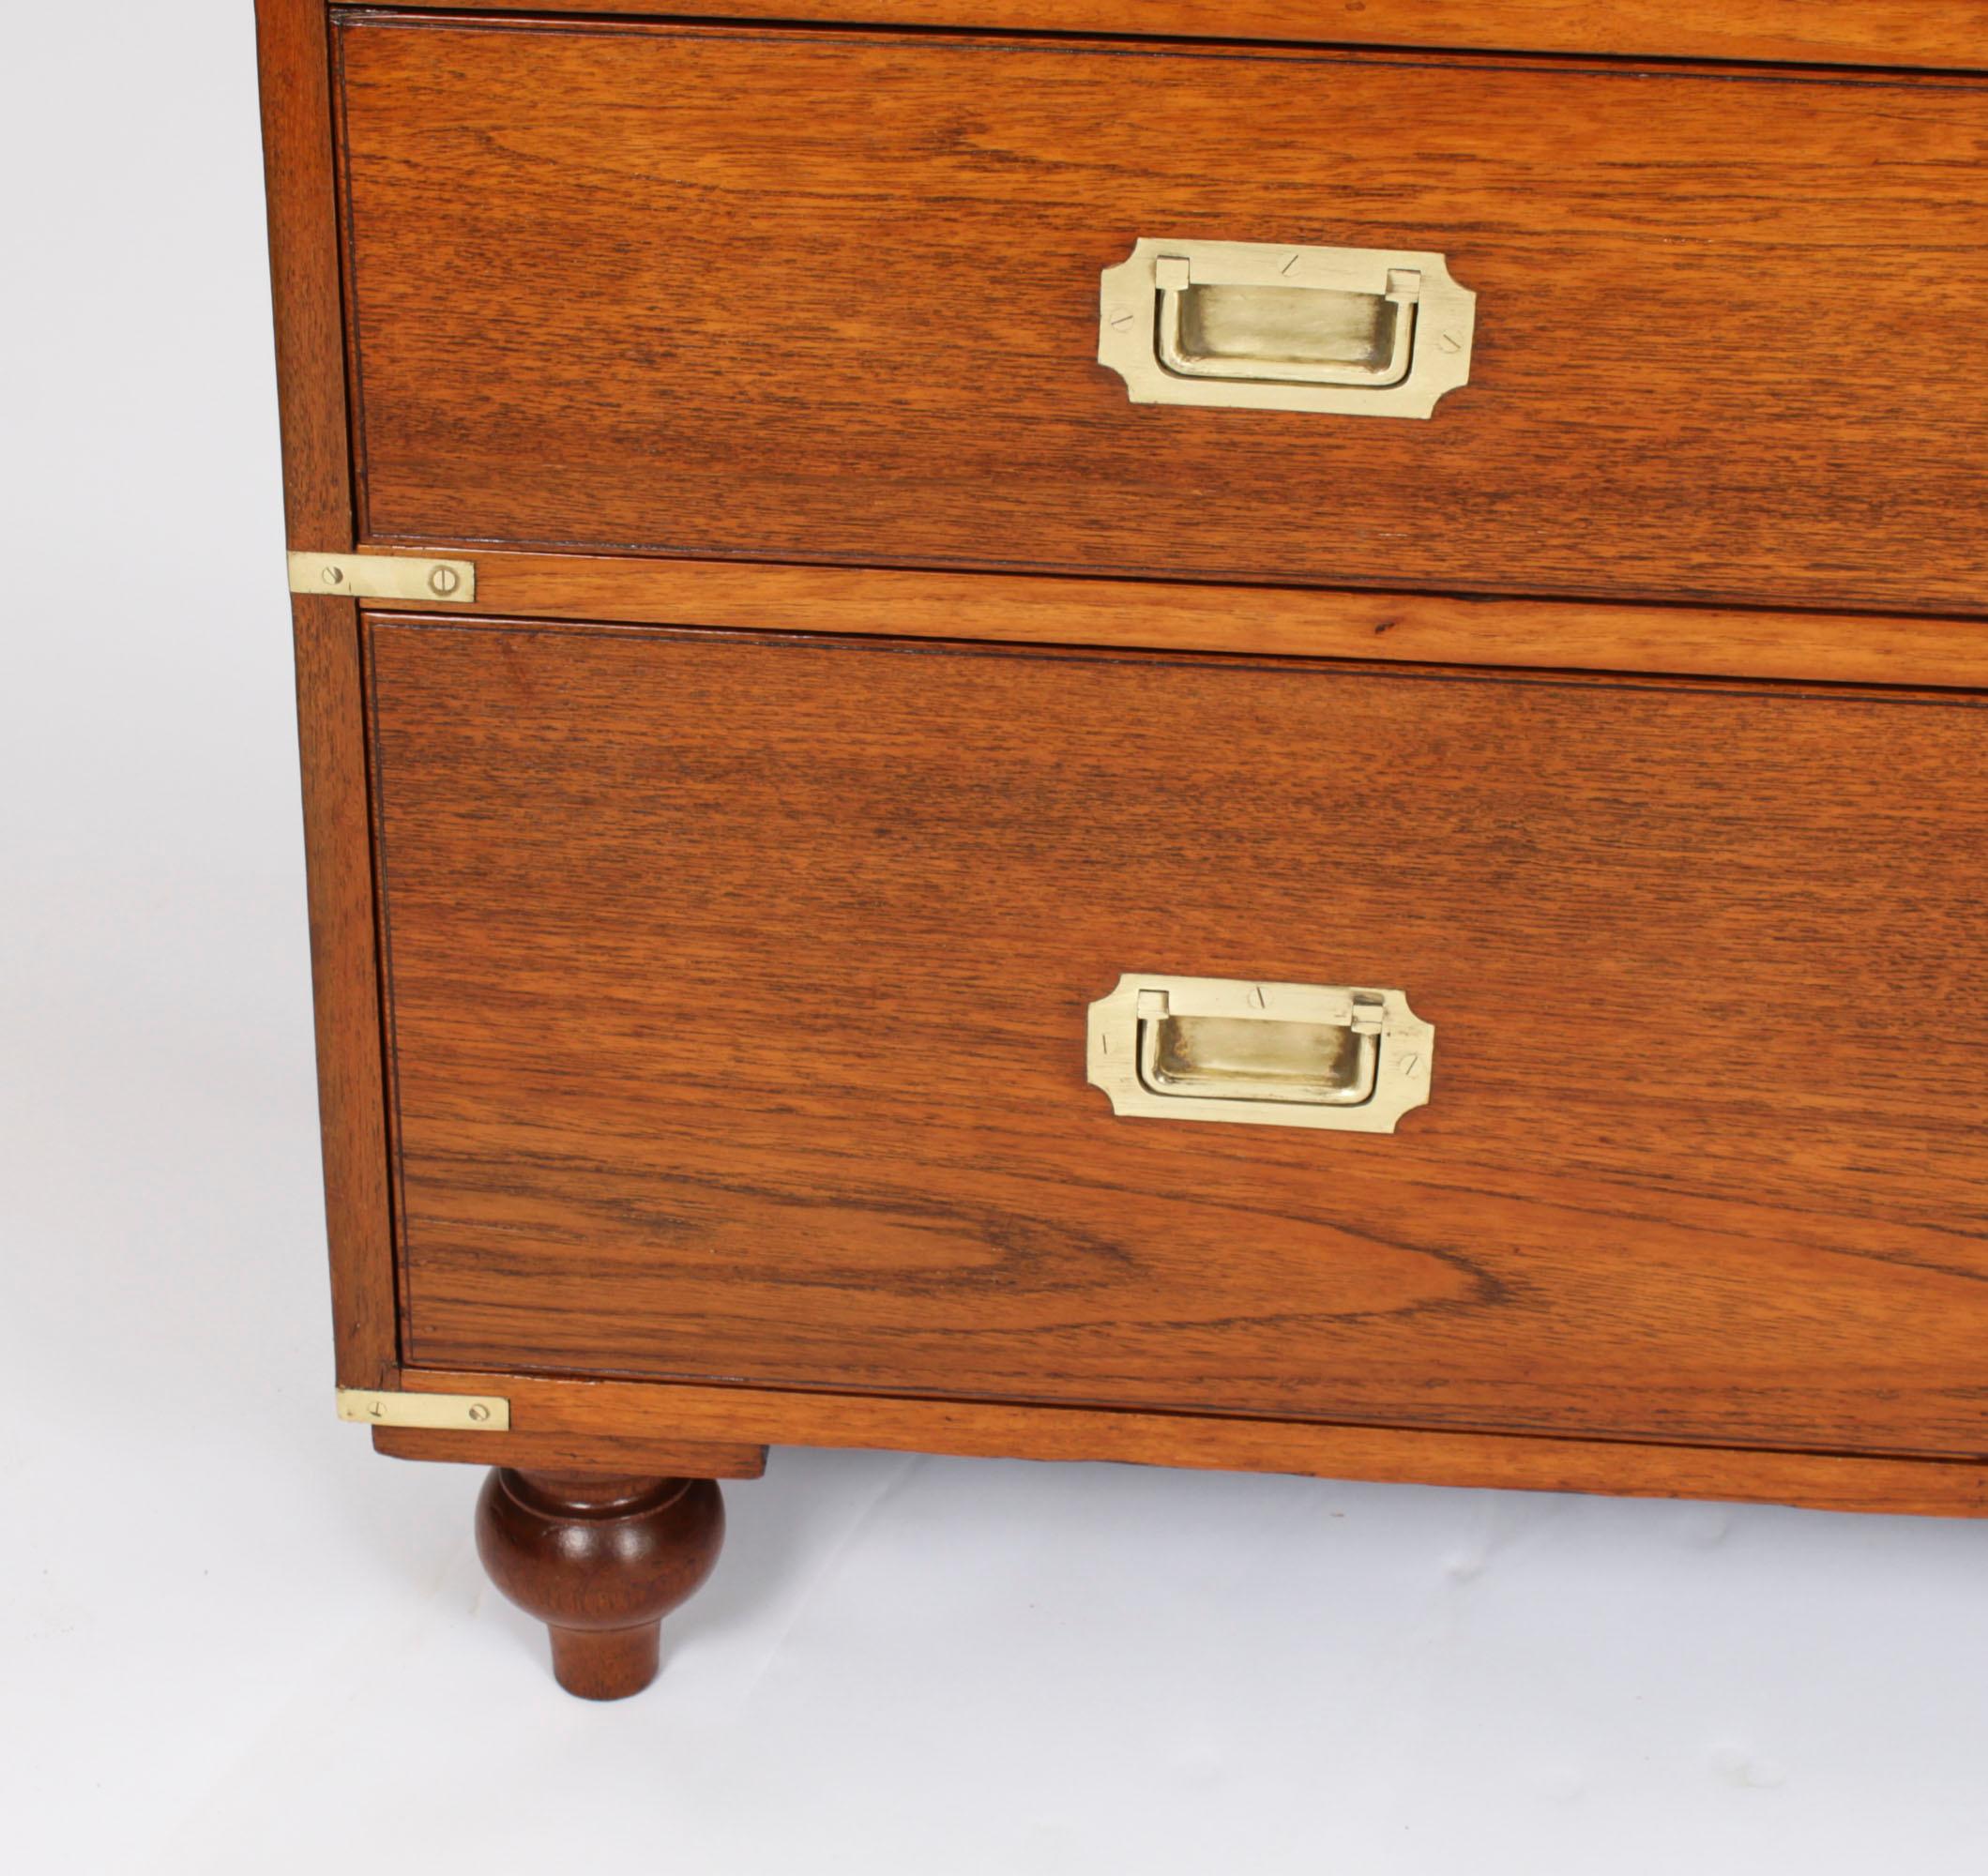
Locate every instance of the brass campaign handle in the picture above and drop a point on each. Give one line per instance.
(1223, 1049)
(1257, 326)
(1285, 335)
(1229, 1058)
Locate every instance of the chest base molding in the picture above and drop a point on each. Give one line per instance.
(579, 1413)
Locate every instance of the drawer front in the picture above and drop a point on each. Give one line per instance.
(738, 993)
(835, 297)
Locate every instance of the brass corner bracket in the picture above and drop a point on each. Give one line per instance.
(384, 576)
(467, 1412)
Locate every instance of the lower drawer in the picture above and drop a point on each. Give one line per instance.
(738, 993)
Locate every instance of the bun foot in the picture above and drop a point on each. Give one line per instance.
(606, 1664)
(601, 1561)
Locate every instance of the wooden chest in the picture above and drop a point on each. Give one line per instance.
(905, 612)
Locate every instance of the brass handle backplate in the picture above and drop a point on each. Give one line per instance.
(1353, 331)
(1226, 1049)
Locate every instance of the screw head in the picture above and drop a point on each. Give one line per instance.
(1122, 319)
(478, 1411)
(334, 576)
(444, 581)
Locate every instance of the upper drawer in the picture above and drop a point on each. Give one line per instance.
(835, 297)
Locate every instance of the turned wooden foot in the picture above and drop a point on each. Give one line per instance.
(601, 1561)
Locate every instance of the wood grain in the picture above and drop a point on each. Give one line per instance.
(1166, 615)
(739, 991)
(317, 491)
(1853, 32)
(294, 65)
(584, 1411)
(547, 1451)
(832, 297)
(345, 996)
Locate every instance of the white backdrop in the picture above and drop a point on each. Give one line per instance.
(233, 1641)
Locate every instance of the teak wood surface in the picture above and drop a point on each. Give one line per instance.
(1952, 33)
(1280, 621)
(604, 1417)
(737, 992)
(598, 1448)
(806, 296)
(293, 56)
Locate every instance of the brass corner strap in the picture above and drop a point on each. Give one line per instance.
(471, 1412)
(384, 576)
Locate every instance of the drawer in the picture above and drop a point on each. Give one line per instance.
(739, 994)
(835, 297)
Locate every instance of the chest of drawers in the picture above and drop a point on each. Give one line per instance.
(906, 610)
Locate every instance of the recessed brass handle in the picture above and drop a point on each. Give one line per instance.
(1225, 1049)
(1285, 335)
(1230, 1058)
(1364, 331)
